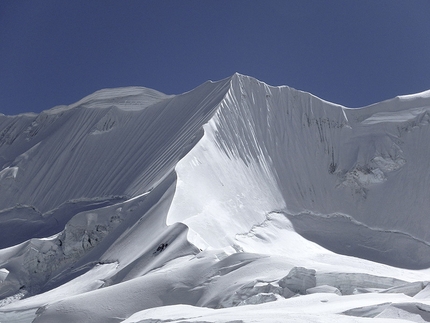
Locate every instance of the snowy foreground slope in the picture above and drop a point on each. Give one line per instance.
(234, 202)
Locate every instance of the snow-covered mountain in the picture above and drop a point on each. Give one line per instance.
(234, 202)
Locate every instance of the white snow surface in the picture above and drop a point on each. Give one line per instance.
(234, 202)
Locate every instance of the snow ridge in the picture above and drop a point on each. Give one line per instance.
(275, 136)
(235, 194)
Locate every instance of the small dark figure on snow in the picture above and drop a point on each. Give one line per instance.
(160, 248)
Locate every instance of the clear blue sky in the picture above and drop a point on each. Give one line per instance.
(350, 52)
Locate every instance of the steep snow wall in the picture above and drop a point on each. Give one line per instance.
(264, 149)
(81, 176)
(242, 150)
(108, 144)
(116, 186)
(275, 148)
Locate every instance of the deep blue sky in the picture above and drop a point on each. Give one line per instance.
(350, 52)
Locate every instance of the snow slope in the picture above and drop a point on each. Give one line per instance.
(234, 202)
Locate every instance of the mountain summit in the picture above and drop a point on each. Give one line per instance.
(234, 193)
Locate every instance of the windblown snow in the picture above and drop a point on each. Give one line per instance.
(234, 202)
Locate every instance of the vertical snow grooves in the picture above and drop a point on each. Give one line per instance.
(71, 162)
(137, 154)
(303, 154)
(231, 185)
(325, 164)
(193, 114)
(139, 180)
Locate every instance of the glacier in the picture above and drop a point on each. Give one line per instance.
(234, 202)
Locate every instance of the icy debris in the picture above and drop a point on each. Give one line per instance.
(252, 293)
(388, 164)
(387, 158)
(286, 293)
(410, 289)
(298, 280)
(356, 283)
(12, 299)
(408, 312)
(86, 230)
(324, 289)
(361, 176)
(40, 258)
(259, 299)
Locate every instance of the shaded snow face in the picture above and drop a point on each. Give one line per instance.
(236, 198)
(96, 148)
